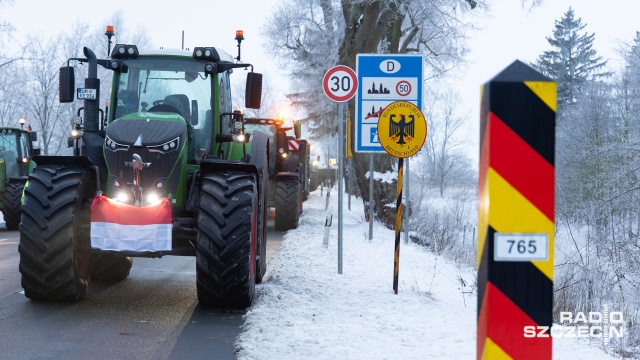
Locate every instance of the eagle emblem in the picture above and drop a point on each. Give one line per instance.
(402, 130)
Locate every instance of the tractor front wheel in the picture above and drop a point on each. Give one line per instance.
(288, 203)
(55, 222)
(226, 241)
(12, 204)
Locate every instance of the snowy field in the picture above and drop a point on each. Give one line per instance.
(306, 310)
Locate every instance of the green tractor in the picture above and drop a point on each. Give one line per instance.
(16, 163)
(168, 170)
(288, 172)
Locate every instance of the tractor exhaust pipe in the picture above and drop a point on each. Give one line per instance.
(91, 108)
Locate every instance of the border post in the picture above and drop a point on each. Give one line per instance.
(516, 214)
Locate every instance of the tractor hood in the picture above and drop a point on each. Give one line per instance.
(142, 131)
(160, 142)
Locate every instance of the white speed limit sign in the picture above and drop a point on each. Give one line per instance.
(340, 83)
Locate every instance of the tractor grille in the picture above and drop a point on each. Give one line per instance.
(161, 165)
(126, 137)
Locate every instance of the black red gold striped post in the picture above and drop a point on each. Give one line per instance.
(398, 227)
(516, 214)
(402, 130)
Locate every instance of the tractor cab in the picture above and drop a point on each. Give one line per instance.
(16, 150)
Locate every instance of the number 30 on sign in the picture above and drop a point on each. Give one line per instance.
(340, 83)
(520, 247)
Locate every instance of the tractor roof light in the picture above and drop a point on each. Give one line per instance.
(25, 160)
(122, 51)
(239, 38)
(206, 53)
(109, 31)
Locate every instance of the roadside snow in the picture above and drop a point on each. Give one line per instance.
(306, 310)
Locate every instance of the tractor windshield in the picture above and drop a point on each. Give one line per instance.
(9, 151)
(169, 85)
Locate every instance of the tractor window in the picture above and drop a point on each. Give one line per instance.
(9, 151)
(24, 149)
(165, 85)
(225, 100)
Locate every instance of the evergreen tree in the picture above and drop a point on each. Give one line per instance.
(573, 60)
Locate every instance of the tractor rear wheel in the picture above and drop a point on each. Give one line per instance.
(110, 267)
(288, 201)
(56, 218)
(12, 204)
(227, 237)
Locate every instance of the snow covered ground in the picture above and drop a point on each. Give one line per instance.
(306, 310)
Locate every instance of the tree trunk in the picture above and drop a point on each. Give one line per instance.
(367, 25)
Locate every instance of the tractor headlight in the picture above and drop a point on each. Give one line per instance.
(239, 138)
(122, 197)
(166, 147)
(152, 198)
(114, 146)
(76, 133)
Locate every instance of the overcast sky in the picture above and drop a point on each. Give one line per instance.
(512, 33)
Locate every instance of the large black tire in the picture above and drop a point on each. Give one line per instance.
(56, 219)
(110, 267)
(227, 237)
(12, 204)
(288, 203)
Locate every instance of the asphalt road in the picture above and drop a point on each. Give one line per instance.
(153, 314)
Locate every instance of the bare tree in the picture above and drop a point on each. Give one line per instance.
(40, 92)
(446, 163)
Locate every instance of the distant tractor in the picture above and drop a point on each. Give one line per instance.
(167, 171)
(16, 163)
(288, 172)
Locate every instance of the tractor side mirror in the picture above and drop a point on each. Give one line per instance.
(33, 136)
(67, 84)
(253, 91)
(36, 152)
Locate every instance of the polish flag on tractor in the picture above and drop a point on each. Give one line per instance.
(122, 227)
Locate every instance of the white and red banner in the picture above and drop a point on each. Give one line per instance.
(294, 145)
(122, 227)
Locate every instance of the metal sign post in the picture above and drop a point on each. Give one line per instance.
(383, 79)
(402, 129)
(340, 84)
